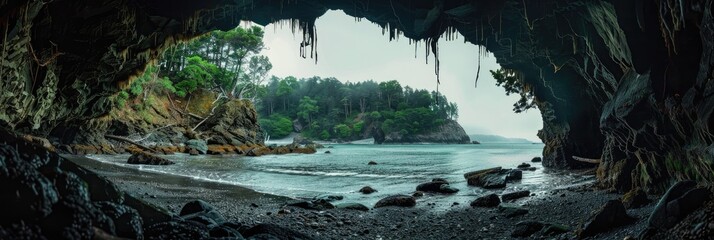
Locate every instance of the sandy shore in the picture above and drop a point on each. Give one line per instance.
(444, 219)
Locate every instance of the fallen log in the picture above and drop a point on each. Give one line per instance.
(587, 160)
(123, 139)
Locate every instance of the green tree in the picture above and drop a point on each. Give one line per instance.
(307, 108)
(391, 90)
(342, 131)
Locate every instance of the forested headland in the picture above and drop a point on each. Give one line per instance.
(223, 66)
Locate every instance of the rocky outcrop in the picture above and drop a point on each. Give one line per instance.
(450, 132)
(234, 122)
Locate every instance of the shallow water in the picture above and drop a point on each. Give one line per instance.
(399, 170)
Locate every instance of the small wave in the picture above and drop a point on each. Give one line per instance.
(340, 174)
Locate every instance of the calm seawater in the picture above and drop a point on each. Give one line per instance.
(399, 170)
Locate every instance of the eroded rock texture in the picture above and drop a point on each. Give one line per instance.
(625, 81)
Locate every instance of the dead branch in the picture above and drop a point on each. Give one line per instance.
(587, 160)
(123, 139)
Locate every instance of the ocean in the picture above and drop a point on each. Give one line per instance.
(399, 169)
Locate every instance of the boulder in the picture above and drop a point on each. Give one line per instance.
(488, 201)
(195, 206)
(396, 200)
(512, 211)
(536, 159)
(193, 151)
(679, 200)
(487, 180)
(201, 211)
(127, 221)
(199, 145)
(610, 215)
(69, 220)
(150, 214)
(327, 152)
(418, 194)
(635, 198)
(329, 198)
(523, 165)
(436, 187)
(367, 190)
(24, 192)
(526, 228)
(514, 175)
(148, 159)
(515, 195)
(353, 206)
(480, 172)
(311, 205)
(372, 163)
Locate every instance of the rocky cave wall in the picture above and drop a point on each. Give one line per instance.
(627, 82)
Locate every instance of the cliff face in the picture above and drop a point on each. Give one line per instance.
(628, 82)
(450, 132)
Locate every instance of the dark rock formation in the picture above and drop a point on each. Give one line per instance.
(679, 201)
(353, 206)
(450, 132)
(515, 195)
(610, 215)
(146, 158)
(396, 200)
(536, 159)
(436, 187)
(490, 200)
(635, 198)
(627, 82)
(367, 190)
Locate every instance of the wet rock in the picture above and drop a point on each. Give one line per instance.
(367, 190)
(523, 165)
(610, 215)
(436, 187)
(418, 194)
(199, 210)
(24, 192)
(480, 172)
(515, 195)
(490, 200)
(488, 180)
(100, 189)
(512, 211)
(196, 206)
(440, 180)
(175, 230)
(635, 198)
(150, 214)
(679, 200)
(148, 159)
(514, 175)
(353, 206)
(21, 231)
(272, 231)
(529, 169)
(526, 228)
(311, 205)
(396, 200)
(372, 163)
(126, 220)
(329, 198)
(69, 219)
(199, 145)
(536, 159)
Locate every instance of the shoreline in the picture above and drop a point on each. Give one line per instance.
(437, 217)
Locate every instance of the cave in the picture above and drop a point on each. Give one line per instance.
(626, 85)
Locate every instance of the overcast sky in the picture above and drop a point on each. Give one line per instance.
(357, 51)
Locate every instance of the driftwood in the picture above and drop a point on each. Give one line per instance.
(587, 160)
(123, 139)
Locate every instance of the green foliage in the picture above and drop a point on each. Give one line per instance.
(307, 107)
(121, 99)
(357, 128)
(324, 135)
(277, 126)
(513, 84)
(342, 131)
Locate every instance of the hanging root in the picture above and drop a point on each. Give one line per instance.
(587, 160)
